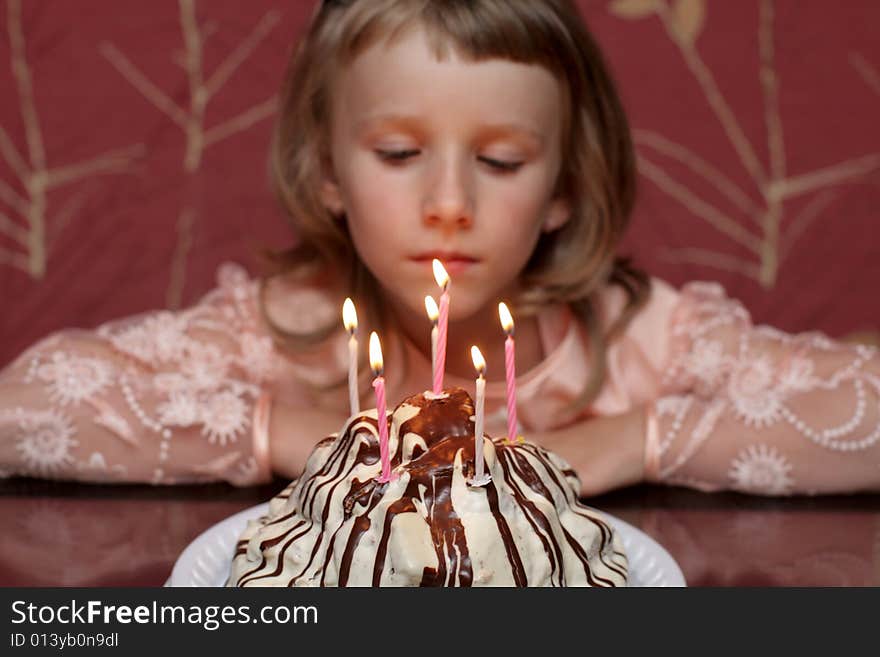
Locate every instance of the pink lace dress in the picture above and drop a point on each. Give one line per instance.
(183, 397)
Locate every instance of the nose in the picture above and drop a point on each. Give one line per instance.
(448, 203)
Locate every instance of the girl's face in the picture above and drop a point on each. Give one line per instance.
(449, 159)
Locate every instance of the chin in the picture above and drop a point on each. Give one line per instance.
(469, 308)
(461, 306)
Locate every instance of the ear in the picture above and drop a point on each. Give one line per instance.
(557, 215)
(331, 196)
(330, 192)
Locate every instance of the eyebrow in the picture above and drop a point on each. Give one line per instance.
(415, 124)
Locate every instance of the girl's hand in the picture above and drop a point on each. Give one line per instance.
(293, 434)
(606, 452)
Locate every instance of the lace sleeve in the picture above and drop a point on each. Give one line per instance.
(761, 411)
(166, 397)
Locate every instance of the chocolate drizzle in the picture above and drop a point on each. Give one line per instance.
(338, 526)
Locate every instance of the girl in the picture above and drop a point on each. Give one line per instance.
(488, 134)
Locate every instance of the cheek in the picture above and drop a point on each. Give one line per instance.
(380, 206)
(510, 253)
(377, 214)
(516, 224)
(366, 230)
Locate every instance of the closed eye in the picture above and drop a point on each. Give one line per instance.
(397, 156)
(501, 165)
(401, 156)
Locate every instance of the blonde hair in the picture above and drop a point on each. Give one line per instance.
(570, 265)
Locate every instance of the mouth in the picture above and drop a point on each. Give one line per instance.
(453, 261)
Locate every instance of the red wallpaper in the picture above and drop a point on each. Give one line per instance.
(121, 191)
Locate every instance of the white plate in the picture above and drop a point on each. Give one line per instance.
(205, 561)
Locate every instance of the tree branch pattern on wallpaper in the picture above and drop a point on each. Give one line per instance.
(191, 120)
(134, 140)
(31, 229)
(755, 217)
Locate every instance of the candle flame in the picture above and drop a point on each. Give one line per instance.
(431, 307)
(376, 354)
(506, 318)
(440, 274)
(349, 316)
(479, 361)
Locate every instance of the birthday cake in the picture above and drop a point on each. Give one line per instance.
(339, 525)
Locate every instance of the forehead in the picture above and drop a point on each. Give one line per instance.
(406, 78)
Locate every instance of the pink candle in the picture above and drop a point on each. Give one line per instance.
(442, 279)
(510, 370)
(382, 419)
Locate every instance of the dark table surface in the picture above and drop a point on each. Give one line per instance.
(65, 534)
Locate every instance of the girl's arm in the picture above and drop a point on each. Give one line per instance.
(161, 398)
(740, 407)
(761, 411)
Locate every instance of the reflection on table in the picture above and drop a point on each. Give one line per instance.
(63, 534)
